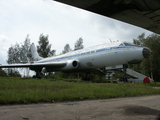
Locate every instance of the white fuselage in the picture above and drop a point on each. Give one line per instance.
(96, 57)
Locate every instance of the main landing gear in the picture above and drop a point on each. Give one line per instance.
(37, 76)
(124, 78)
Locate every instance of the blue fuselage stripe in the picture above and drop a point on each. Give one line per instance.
(77, 54)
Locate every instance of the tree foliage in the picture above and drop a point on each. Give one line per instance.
(25, 50)
(79, 44)
(14, 54)
(19, 53)
(25, 53)
(44, 48)
(66, 49)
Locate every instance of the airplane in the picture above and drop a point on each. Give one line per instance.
(141, 13)
(87, 59)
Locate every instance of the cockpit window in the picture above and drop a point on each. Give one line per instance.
(121, 44)
(126, 44)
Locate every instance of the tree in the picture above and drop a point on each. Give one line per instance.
(20, 53)
(44, 48)
(25, 53)
(25, 50)
(14, 54)
(66, 49)
(13, 57)
(79, 44)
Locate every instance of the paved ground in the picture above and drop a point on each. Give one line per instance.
(131, 108)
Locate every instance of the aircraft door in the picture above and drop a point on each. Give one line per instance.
(116, 55)
(112, 56)
(100, 53)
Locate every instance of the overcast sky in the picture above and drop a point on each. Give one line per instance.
(64, 24)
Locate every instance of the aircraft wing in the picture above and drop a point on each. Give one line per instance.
(34, 65)
(142, 13)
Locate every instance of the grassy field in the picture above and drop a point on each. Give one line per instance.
(18, 90)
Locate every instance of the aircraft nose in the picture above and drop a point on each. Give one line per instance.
(146, 52)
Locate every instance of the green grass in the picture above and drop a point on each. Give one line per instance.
(17, 90)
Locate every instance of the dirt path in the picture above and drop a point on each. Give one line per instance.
(131, 108)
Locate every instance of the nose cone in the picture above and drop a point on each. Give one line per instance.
(146, 52)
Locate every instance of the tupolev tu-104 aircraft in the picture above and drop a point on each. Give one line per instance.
(88, 59)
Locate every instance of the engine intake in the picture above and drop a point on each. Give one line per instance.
(75, 64)
(72, 64)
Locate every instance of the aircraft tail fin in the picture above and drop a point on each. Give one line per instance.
(34, 53)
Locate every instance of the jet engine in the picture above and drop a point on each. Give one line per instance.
(72, 64)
